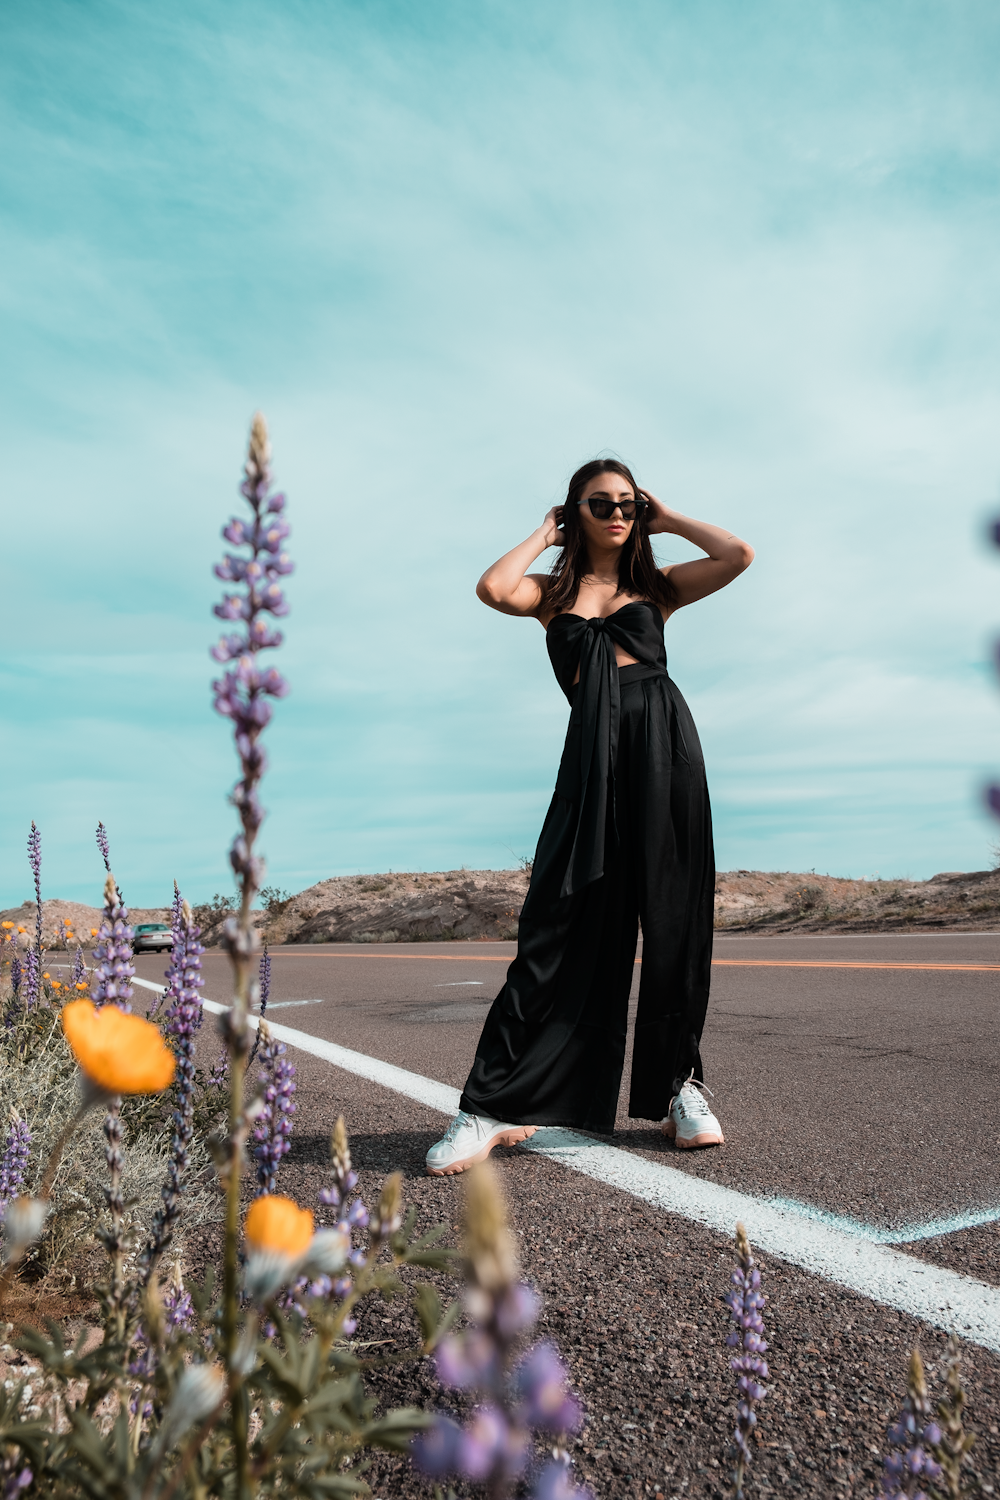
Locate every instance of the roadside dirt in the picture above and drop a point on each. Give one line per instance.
(485, 904)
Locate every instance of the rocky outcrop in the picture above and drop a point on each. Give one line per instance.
(756, 901)
(404, 908)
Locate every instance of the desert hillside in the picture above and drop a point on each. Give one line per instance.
(484, 904)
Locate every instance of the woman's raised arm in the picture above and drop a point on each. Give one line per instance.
(728, 556)
(507, 585)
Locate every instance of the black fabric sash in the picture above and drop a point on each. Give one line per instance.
(586, 771)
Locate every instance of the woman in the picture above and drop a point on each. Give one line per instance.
(627, 838)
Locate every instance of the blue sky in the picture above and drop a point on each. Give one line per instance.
(452, 251)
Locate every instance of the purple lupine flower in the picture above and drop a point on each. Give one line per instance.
(103, 845)
(32, 978)
(14, 1162)
(113, 967)
(554, 1483)
(345, 1179)
(180, 1025)
(16, 975)
(13, 1481)
(218, 1073)
(745, 1303)
(540, 1385)
(175, 967)
(273, 1126)
(264, 981)
(243, 690)
(910, 1465)
(178, 1316)
(952, 1448)
(494, 1448)
(178, 1308)
(35, 861)
(32, 970)
(79, 973)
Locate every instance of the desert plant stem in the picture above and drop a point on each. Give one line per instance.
(116, 1246)
(230, 1309)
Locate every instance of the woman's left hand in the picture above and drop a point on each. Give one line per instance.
(660, 518)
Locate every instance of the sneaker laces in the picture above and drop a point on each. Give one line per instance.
(694, 1103)
(460, 1120)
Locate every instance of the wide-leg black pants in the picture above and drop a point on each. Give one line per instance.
(553, 1046)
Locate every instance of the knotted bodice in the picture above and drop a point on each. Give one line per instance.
(573, 641)
(592, 738)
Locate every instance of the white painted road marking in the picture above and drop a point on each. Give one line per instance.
(456, 984)
(284, 1004)
(842, 1252)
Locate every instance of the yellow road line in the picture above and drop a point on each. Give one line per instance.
(717, 963)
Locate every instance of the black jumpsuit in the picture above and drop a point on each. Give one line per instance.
(627, 838)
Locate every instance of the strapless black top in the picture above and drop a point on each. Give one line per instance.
(585, 772)
(575, 642)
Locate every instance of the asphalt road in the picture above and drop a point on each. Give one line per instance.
(867, 1091)
(855, 1074)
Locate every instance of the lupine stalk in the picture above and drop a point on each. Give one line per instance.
(79, 973)
(272, 1128)
(16, 975)
(745, 1303)
(14, 1162)
(955, 1442)
(113, 966)
(909, 1463)
(35, 861)
(181, 1025)
(264, 981)
(32, 978)
(176, 965)
(495, 1447)
(242, 694)
(109, 985)
(114, 1238)
(34, 975)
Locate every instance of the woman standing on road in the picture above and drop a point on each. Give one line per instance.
(627, 838)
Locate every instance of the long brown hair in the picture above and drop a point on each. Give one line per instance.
(637, 570)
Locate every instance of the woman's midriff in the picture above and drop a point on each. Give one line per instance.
(620, 657)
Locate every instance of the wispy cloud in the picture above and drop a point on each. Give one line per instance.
(451, 255)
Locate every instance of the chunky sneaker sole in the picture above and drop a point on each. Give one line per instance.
(702, 1138)
(478, 1148)
(689, 1121)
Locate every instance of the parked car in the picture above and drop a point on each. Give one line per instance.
(152, 937)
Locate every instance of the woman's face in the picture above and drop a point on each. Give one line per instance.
(614, 531)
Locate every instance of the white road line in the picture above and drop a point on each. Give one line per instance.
(945, 1299)
(284, 1004)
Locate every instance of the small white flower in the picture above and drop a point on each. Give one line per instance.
(22, 1222)
(327, 1253)
(266, 1271)
(199, 1391)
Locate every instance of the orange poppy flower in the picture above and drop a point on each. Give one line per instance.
(274, 1223)
(121, 1053)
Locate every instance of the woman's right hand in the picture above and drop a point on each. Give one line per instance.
(552, 528)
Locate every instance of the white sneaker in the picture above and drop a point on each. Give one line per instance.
(689, 1120)
(471, 1138)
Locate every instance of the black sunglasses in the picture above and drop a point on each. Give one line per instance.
(602, 508)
